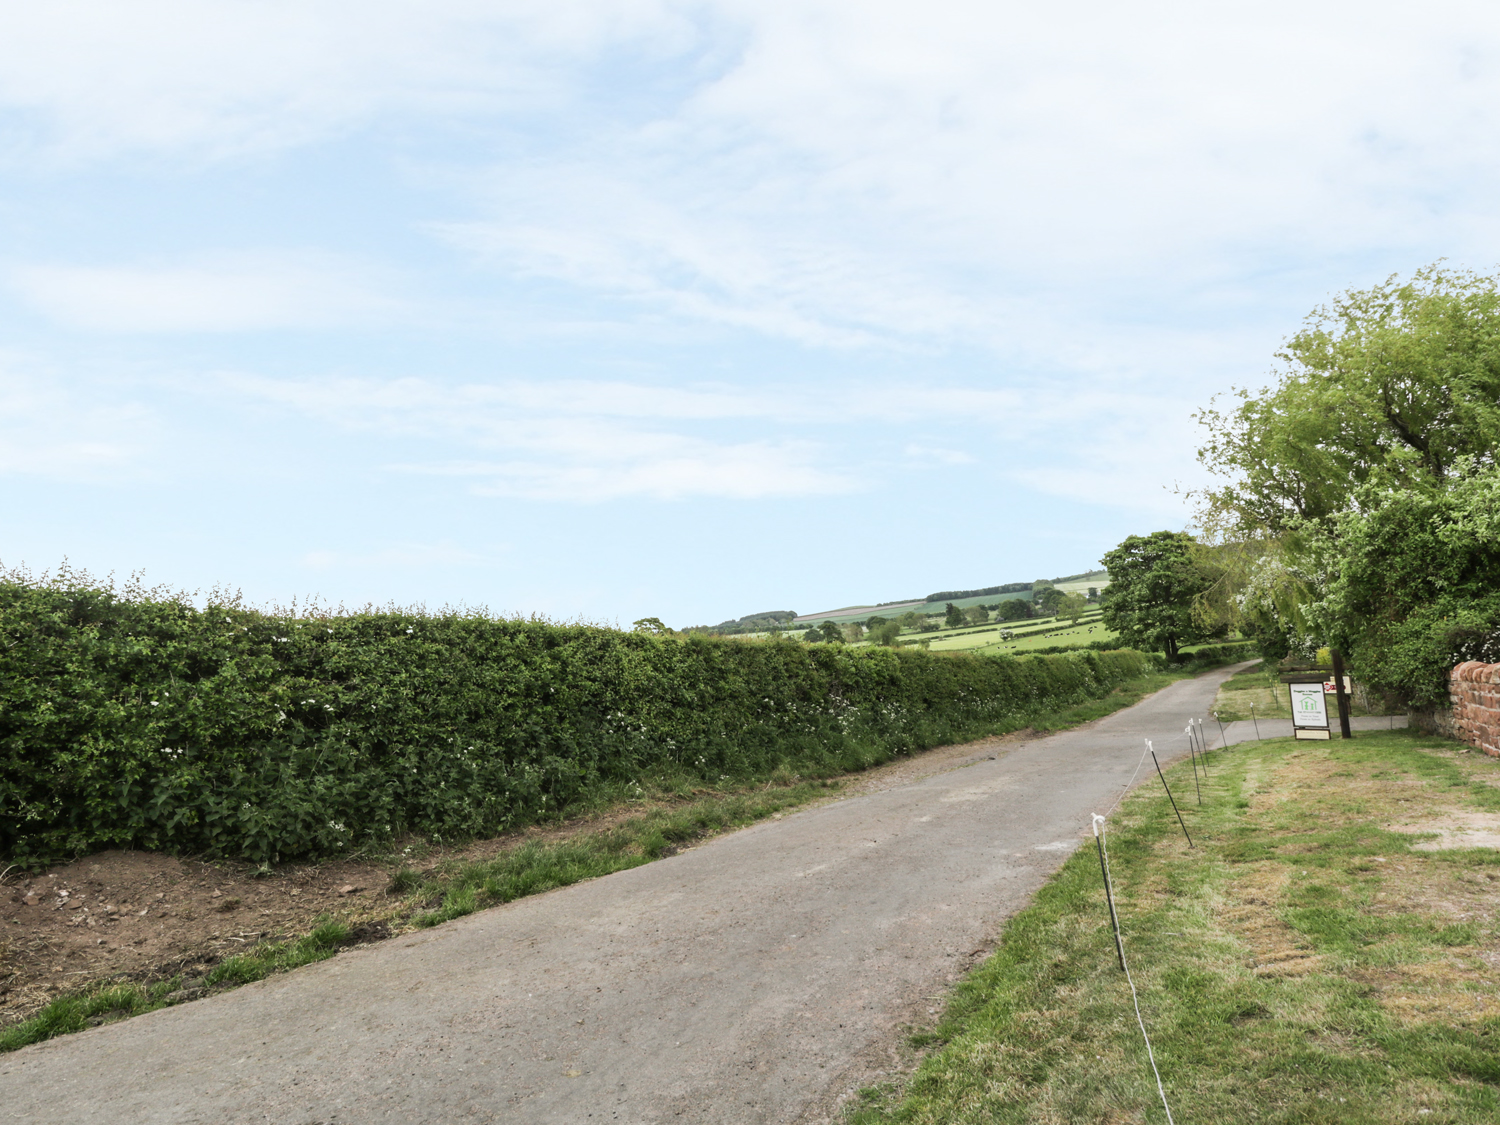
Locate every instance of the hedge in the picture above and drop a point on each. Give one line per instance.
(140, 721)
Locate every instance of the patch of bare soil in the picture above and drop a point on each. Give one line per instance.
(141, 916)
(1454, 830)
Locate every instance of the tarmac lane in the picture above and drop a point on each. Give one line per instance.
(740, 981)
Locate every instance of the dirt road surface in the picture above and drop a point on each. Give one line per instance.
(757, 978)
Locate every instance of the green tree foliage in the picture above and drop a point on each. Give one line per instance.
(854, 631)
(144, 722)
(1072, 607)
(1013, 609)
(885, 633)
(1415, 584)
(976, 615)
(1154, 581)
(1046, 598)
(653, 626)
(1390, 386)
(953, 617)
(831, 631)
(910, 619)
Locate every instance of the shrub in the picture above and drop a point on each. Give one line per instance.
(141, 721)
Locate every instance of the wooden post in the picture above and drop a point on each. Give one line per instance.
(1339, 693)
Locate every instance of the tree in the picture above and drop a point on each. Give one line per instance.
(1392, 389)
(1414, 584)
(1046, 596)
(831, 632)
(1072, 607)
(953, 616)
(1154, 580)
(1391, 385)
(976, 615)
(910, 619)
(885, 633)
(854, 631)
(651, 625)
(1014, 609)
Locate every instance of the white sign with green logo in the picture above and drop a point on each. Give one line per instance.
(1308, 706)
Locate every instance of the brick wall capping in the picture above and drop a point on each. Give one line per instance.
(1476, 672)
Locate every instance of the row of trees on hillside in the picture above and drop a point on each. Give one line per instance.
(1359, 503)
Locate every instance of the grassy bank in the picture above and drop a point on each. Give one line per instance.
(1304, 963)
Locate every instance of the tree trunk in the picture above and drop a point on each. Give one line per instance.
(1338, 692)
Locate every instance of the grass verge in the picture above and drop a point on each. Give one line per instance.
(1306, 962)
(457, 888)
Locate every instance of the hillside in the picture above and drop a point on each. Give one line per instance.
(935, 603)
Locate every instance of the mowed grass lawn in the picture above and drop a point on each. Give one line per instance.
(1328, 952)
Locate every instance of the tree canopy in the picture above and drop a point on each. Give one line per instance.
(1414, 584)
(1154, 580)
(1393, 385)
(1072, 607)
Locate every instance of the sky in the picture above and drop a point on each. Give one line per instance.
(681, 309)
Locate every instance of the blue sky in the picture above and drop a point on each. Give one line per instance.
(607, 310)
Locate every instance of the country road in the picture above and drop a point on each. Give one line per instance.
(751, 979)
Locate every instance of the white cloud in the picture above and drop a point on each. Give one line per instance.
(1019, 178)
(230, 293)
(50, 430)
(84, 79)
(574, 441)
(655, 466)
(839, 172)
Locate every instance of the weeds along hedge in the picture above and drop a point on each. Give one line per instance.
(145, 722)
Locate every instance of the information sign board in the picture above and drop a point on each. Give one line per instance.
(1309, 711)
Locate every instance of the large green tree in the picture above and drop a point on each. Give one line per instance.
(1014, 609)
(1153, 582)
(1388, 397)
(1393, 385)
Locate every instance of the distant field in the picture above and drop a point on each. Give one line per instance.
(1098, 579)
(1038, 634)
(1028, 635)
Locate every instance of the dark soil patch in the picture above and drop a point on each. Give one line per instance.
(140, 916)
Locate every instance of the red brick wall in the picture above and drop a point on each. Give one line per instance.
(1475, 688)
